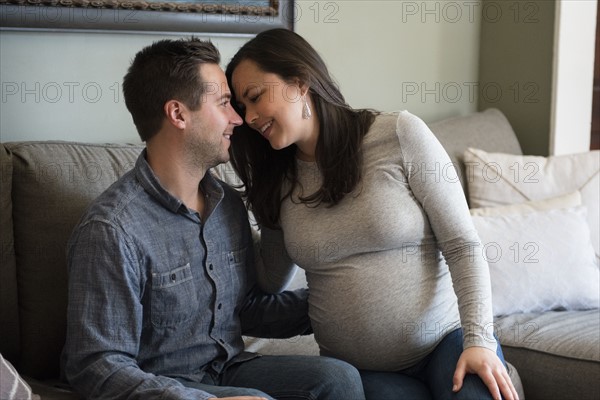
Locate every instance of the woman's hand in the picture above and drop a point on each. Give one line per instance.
(491, 370)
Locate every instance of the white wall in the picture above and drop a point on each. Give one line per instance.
(67, 86)
(571, 118)
(388, 55)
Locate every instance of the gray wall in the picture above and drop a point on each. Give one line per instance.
(515, 67)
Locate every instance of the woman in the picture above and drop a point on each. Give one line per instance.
(353, 197)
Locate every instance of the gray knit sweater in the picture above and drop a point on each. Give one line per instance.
(382, 296)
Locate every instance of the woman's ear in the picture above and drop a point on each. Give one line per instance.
(175, 113)
(304, 89)
(302, 84)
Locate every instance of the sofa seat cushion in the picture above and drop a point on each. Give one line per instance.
(52, 389)
(561, 347)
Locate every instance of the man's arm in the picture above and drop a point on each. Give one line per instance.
(275, 315)
(281, 315)
(104, 320)
(274, 267)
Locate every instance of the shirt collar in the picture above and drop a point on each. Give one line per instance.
(151, 184)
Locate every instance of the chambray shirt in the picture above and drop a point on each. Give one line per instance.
(157, 293)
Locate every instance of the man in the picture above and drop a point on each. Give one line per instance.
(161, 266)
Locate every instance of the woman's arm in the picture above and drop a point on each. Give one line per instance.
(435, 184)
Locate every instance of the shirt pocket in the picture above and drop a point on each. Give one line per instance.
(238, 269)
(174, 297)
(236, 258)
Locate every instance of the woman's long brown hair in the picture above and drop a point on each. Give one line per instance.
(264, 170)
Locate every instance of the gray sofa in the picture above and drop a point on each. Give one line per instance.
(46, 185)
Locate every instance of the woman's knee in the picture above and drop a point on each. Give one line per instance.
(393, 385)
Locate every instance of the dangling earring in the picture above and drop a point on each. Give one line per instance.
(306, 113)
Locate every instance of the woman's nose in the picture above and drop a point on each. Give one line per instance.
(251, 116)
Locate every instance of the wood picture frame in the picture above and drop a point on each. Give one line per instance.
(179, 16)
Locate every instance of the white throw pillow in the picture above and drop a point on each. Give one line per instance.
(539, 261)
(496, 179)
(564, 201)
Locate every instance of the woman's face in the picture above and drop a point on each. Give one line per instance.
(273, 107)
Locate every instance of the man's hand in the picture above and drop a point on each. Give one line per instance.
(486, 364)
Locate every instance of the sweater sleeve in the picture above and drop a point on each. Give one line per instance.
(436, 186)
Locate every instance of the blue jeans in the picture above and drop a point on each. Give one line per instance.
(286, 378)
(429, 379)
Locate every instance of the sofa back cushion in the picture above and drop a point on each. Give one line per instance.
(488, 130)
(53, 182)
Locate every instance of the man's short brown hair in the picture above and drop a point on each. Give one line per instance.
(166, 70)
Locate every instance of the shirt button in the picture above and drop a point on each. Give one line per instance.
(219, 306)
(173, 277)
(210, 267)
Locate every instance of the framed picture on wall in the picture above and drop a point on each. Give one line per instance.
(166, 16)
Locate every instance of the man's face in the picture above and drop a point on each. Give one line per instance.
(208, 139)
